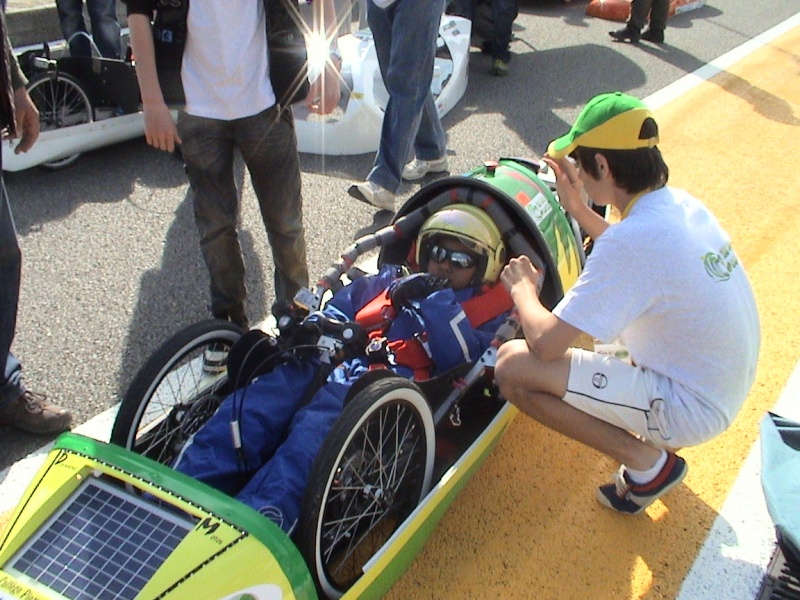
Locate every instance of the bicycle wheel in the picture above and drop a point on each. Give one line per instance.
(176, 391)
(372, 471)
(62, 102)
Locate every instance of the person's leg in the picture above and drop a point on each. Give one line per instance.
(407, 76)
(658, 21)
(632, 32)
(464, 8)
(70, 16)
(19, 408)
(277, 489)
(640, 11)
(598, 400)
(269, 147)
(10, 272)
(207, 149)
(537, 388)
(264, 411)
(659, 14)
(430, 143)
(504, 12)
(105, 27)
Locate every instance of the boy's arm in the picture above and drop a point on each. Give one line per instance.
(160, 129)
(547, 336)
(26, 121)
(325, 90)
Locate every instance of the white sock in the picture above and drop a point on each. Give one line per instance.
(642, 477)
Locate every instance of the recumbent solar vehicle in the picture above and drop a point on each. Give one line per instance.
(114, 521)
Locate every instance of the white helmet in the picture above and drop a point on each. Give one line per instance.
(475, 229)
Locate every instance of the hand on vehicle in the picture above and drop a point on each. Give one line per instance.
(414, 287)
(27, 117)
(568, 184)
(325, 91)
(159, 127)
(521, 279)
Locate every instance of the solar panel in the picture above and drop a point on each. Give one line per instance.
(101, 543)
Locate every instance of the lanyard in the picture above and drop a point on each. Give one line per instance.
(633, 201)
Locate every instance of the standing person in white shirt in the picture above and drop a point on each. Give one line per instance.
(665, 281)
(216, 55)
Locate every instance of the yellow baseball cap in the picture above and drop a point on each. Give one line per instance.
(610, 122)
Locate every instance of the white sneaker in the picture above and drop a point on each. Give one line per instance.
(372, 193)
(215, 359)
(418, 168)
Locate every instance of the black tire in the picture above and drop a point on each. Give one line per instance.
(62, 102)
(175, 391)
(373, 469)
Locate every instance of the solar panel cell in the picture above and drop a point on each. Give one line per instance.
(102, 543)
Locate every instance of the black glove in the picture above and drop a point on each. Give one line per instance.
(414, 287)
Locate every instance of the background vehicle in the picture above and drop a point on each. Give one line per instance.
(88, 103)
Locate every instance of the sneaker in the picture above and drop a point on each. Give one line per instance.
(372, 193)
(418, 168)
(654, 35)
(215, 359)
(31, 412)
(499, 68)
(626, 34)
(627, 497)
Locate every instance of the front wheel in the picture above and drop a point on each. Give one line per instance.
(372, 471)
(176, 391)
(61, 102)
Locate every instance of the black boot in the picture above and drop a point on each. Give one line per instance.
(627, 34)
(654, 35)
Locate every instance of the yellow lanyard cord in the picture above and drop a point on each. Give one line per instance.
(633, 201)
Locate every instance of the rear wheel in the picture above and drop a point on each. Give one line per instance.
(176, 391)
(62, 102)
(373, 470)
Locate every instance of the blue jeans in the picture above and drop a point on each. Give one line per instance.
(504, 12)
(405, 36)
(268, 145)
(105, 27)
(10, 265)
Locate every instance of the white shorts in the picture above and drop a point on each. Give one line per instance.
(639, 401)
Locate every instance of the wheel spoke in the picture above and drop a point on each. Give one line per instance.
(367, 490)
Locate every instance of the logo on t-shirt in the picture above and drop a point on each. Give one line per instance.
(720, 265)
(599, 381)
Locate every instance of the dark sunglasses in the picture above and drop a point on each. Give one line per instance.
(462, 260)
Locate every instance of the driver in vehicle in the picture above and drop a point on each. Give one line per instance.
(423, 324)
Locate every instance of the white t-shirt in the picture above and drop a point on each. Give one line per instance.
(667, 283)
(225, 70)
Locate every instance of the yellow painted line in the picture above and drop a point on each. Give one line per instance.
(527, 525)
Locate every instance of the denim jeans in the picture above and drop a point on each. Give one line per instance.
(658, 10)
(504, 12)
(105, 27)
(405, 36)
(10, 264)
(268, 146)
